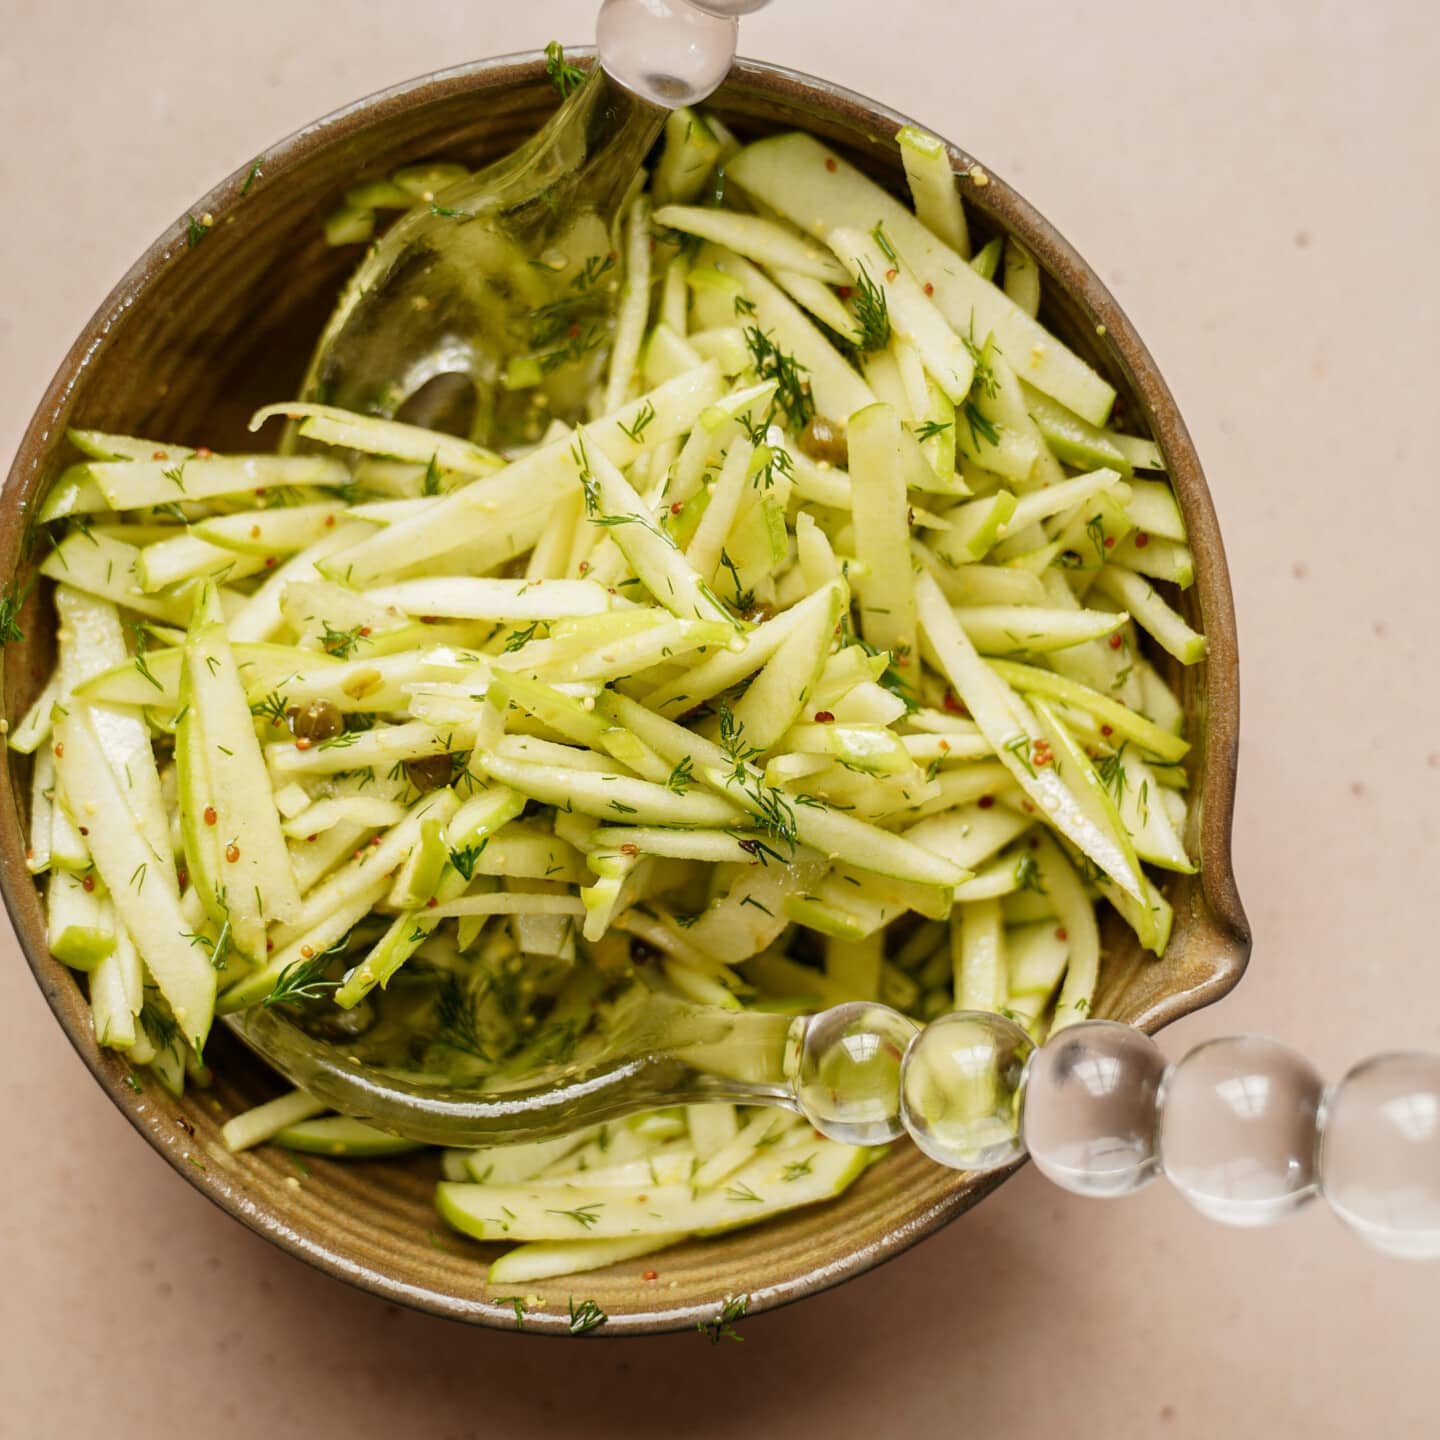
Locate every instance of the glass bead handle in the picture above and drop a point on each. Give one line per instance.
(1245, 1128)
(670, 52)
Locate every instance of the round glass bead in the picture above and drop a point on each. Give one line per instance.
(847, 1080)
(665, 51)
(960, 1089)
(1089, 1119)
(1380, 1154)
(1238, 1129)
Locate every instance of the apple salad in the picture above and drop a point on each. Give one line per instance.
(808, 668)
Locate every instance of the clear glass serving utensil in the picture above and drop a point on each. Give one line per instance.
(1244, 1128)
(490, 308)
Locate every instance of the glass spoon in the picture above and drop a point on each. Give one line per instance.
(493, 304)
(1244, 1128)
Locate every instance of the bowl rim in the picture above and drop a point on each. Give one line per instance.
(1227, 930)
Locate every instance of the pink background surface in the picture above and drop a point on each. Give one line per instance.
(1260, 192)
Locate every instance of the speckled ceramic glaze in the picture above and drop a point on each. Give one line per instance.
(193, 339)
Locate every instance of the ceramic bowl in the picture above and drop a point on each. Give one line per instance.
(195, 337)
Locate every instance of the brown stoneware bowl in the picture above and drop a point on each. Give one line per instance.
(194, 338)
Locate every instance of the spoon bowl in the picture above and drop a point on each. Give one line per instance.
(654, 1050)
(195, 338)
(513, 269)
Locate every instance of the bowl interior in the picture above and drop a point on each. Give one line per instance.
(195, 338)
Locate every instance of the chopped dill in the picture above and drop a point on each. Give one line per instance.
(563, 76)
(792, 393)
(342, 644)
(257, 172)
(637, 428)
(585, 1317)
(464, 859)
(303, 979)
(1027, 875)
(1111, 771)
(722, 1327)
(430, 485)
(872, 312)
(12, 601)
(585, 1216)
(682, 776)
(883, 241)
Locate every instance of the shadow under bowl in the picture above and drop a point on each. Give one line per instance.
(194, 338)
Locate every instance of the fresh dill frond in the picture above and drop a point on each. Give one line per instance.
(637, 429)
(517, 639)
(872, 313)
(457, 1022)
(343, 741)
(883, 241)
(585, 1216)
(591, 272)
(682, 776)
(585, 1317)
(744, 599)
(1027, 875)
(982, 429)
(792, 392)
(589, 486)
(1019, 747)
(12, 601)
(565, 77)
(217, 948)
(342, 644)
(161, 1028)
(777, 461)
(272, 707)
(464, 859)
(774, 809)
(304, 979)
(722, 1327)
(1095, 529)
(985, 380)
(732, 739)
(430, 485)
(257, 172)
(1111, 771)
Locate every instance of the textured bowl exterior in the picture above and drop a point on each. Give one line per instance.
(192, 339)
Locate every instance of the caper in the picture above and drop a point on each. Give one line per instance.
(823, 439)
(319, 720)
(428, 774)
